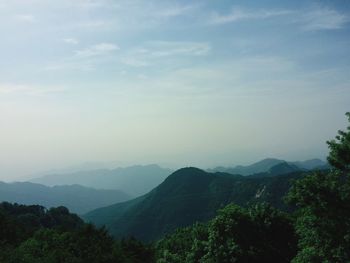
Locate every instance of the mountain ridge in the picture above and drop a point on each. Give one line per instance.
(76, 198)
(266, 164)
(194, 194)
(135, 180)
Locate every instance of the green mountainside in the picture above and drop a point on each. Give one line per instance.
(186, 196)
(77, 198)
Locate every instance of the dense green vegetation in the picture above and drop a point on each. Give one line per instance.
(33, 234)
(187, 196)
(257, 234)
(317, 230)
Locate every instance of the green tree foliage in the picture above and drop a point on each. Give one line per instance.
(87, 244)
(339, 155)
(184, 245)
(33, 234)
(257, 234)
(19, 222)
(323, 222)
(323, 201)
(135, 251)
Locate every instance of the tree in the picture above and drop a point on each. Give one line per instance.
(339, 155)
(323, 202)
(184, 245)
(258, 234)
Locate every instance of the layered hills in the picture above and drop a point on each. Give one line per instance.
(186, 196)
(134, 180)
(265, 165)
(76, 198)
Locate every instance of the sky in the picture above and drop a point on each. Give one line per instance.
(177, 83)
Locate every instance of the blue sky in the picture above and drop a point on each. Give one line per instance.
(178, 83)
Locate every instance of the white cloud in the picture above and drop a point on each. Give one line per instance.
(324, 19)
(71, 41)
(166, 48)
(238, 14)
(96, 50)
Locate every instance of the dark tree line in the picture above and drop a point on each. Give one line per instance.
(34, 234)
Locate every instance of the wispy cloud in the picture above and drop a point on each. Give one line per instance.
(317, 18)
(174, 11)
(71, 41)
(94, 24)
(239, 14)
(28, 90)
(323, 18)
(156, 50)
(166, 48)
(96, 50)
(84, 59)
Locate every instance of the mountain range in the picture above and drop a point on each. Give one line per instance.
(134, 180)
(140, 179)
(186, 196)
(163, 202)
(76, 198)
(265, 165)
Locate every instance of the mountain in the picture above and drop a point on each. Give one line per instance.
(262, 166)
(265, 166)
(76, 198)
(186, 196)
(312, 164)
(134, 180)
(279, 169)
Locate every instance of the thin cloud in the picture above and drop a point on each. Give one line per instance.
(165, 48)
(96, 50)
(160, 50)
(97, 24)
(238, 14)
(174, 11)
(71, 41)
(84, 59)
(28, 90)
(324, 19)
(25, 18)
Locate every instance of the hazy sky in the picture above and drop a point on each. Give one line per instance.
(178, 83)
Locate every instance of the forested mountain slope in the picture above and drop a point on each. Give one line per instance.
(186, 196)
